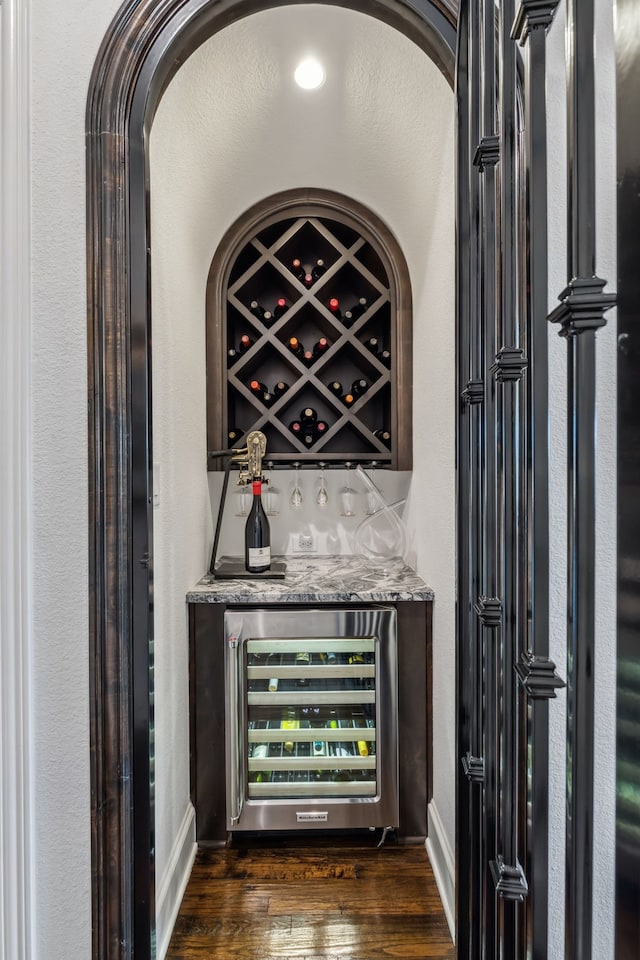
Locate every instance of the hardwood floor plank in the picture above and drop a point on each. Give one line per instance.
(295, 902)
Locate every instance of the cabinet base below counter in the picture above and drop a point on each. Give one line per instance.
(208, 700)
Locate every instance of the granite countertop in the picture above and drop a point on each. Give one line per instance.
(321, 579)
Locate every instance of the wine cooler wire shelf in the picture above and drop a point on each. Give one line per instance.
(311, 728)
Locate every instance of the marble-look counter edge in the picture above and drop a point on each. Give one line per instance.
(321, 580)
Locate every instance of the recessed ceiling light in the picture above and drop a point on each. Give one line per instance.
(309, 74)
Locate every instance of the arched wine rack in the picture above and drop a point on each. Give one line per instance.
(361, 262)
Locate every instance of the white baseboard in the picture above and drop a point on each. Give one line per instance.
(174, 882)
(443, 865)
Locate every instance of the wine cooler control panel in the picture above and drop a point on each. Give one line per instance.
(313, 348)
(312, 720)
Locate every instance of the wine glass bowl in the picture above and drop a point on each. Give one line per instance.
(295, 500)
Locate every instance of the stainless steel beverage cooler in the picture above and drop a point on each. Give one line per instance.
(311, 718)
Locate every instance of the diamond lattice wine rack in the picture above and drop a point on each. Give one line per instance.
(309, 339)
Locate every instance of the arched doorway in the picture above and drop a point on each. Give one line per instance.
(145, 46)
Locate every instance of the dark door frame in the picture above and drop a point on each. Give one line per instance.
(146, 44)
(505, 677)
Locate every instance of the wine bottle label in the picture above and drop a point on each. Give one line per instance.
(259, 556)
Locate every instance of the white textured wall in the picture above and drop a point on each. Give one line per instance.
(231, 129)
(65, 41)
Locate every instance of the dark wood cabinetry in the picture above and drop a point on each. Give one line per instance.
(350, 313)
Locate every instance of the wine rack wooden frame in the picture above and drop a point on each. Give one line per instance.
(253, 261)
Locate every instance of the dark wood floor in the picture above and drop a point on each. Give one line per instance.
(298, 900)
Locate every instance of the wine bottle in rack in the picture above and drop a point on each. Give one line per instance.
(334, 306)
(383, 435)
(232, 355)
(320, 347)
(374, 345)
(385, 356)
(280, 308)
(309, 435)
(308, 280)
(296, 428)
(233, 435)
(280, 388)
(348, 399)
(257, 309)
(308, 416)
(298, 270)
(321, 427)
(360, 386)
(260, 391)
(318, 270)
(308, 358)
(356, 310)
(245, 343)
(257, 535)
(336, 387)
(295, 346)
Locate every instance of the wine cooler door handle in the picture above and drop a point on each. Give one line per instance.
(235, 786)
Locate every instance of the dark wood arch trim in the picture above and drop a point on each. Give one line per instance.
(145, 45)
(300, 203)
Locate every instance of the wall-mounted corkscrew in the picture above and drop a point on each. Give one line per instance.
(250, 460)
(250, 457)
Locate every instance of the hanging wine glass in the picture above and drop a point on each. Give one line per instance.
(347, 498)
(322, 497)
(295, 500)
(371, 501)
(272, 497)
(242, 501)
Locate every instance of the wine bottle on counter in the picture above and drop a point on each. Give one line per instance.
(318, 270)
(336, 387)
(245, 343)
(295, 346)
(334, 306)
(257, 535)
(280, 308)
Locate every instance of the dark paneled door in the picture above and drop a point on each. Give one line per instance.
(505, 676)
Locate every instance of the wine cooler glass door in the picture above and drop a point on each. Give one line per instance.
(312, 718)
